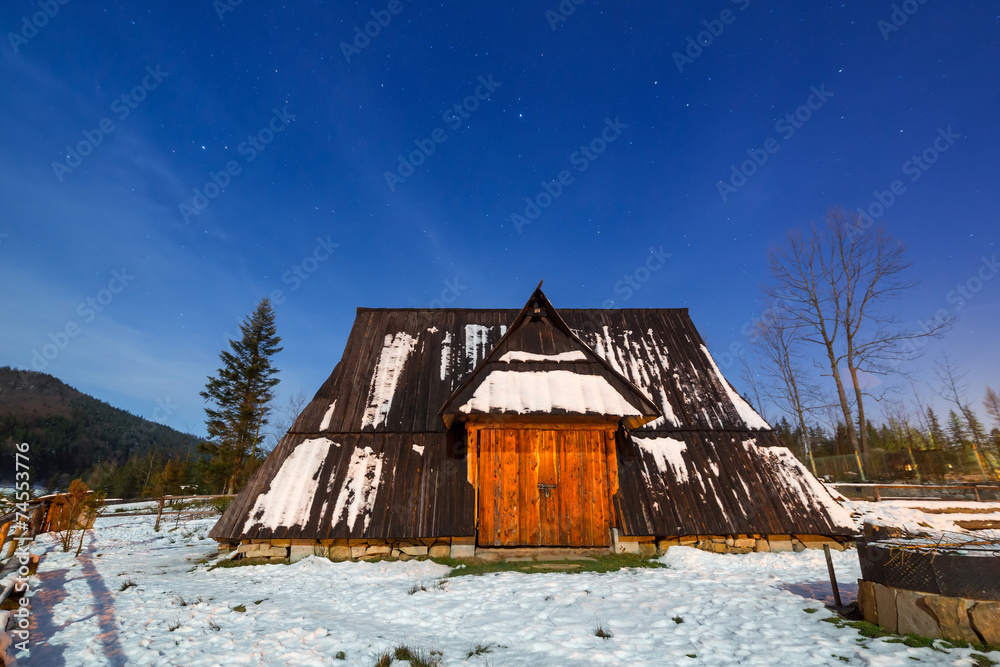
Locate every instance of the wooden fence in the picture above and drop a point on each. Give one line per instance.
(979, 492)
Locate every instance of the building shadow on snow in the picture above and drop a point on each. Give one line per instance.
(822, 591)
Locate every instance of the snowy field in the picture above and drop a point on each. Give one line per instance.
(704, 609)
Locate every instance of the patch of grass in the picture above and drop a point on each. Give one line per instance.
(174, 626)
(840, 657)
(602, 632)
(479, 649)
(248, 561)
(692, 655)
(127, 584)
(416, 657)
(982, 660)
(602, 563)
(872, 631)
(215, 626)
(240, 608)
(258, 601)
(383, 660)
(677, 619)
(810, 610)
(340, 655)
(416, 588)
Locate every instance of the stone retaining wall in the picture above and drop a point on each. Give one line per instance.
(929, 615)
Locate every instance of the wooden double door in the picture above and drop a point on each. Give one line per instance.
(545, 486)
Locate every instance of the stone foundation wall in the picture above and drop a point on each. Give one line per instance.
(732, 544)
(929, 615)
(465, 547)
(295, 550)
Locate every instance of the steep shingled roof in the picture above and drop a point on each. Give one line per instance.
(380, 461)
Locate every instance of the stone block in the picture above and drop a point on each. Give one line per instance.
(273, 552)
(358, 550)
(745, 543)
(817, 542)
(297, 552)
(339, 553)
(913, 615)
(687, 540)
(627, 548)
(414, 551)
(952, 617)
(246, 548)
(885, 604)
(762, 545)
(719, 547)
(779, 545)
(647, 549)
(666, 543)
(439, 551)
(985, 617)
(378, 550)
(729, 542)
(463, 550)
(866, 601)
(395, 553)
(798, 547)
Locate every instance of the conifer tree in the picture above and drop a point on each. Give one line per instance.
(938, 439)
(240, 397)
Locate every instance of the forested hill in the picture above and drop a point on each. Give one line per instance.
(70, 432)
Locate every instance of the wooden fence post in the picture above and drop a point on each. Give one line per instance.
(159, 513)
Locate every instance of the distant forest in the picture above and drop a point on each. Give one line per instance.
(73, 435)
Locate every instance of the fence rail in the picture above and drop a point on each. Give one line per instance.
(980, 492)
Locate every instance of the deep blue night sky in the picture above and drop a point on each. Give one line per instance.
(170, 93)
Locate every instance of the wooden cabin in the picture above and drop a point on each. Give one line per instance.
(444, 431)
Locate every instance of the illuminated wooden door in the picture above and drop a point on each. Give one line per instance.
(545, 486)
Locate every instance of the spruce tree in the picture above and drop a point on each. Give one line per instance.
(938, 439)
(240, 396)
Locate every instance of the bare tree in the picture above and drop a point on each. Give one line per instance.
(807, 288)
(286, 415)
(835, 284)
(776, 339)
(992, 404)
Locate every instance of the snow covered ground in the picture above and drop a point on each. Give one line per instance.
(706, 609)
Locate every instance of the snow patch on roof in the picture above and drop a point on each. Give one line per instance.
(290, 496)
(543, 391)
(357, 495)
(419, 449)
(627, 360)
(395, 351)
(667, 453)
(445, 354)
(747, 414)
(325, 424)
(575, 355)
(477, 344)
(799, 481)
